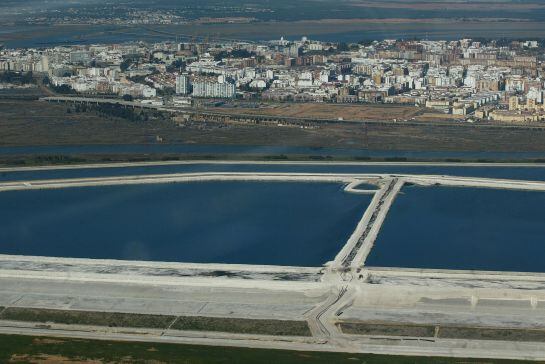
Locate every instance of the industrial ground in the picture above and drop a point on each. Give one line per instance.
(343, 306)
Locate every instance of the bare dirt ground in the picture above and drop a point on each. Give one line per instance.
(331, 111)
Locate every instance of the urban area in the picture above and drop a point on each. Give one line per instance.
(473, 80)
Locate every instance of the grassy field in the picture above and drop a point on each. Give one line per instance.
(479, 333)
(381, 329)
(26, 349)
(87, 318)
(133, 320)
(245, 326)
(446, 332)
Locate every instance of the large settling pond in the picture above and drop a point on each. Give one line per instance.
(463, 228)
(271, 223)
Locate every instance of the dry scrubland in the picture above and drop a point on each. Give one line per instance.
(38, 123)
(331, 111)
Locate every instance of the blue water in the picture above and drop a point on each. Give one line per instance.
(463, 228)
(297, 224)
(43, 37)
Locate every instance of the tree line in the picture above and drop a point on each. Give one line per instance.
(22, 78)
(118, 111)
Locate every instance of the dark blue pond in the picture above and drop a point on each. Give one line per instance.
(299, 224)
(463, 228)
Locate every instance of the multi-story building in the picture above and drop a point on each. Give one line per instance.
(80, 57)
(183, 86)
(219, 88)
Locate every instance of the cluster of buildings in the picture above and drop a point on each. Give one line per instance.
(466, 78)
(89, 70)
(129, 13)
(106, 16)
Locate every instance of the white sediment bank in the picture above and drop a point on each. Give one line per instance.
(352, 181)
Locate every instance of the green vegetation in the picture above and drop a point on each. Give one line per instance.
(31, 123)
(119, 111)
(27, 349)
(133, 320)
(481, 333)
(446, 332)
(235, 53)
(52, 160)
(177, 65)
(87, 318)
(21, 78)
(125, 64)
(243, 326)
(47, 160)
(387, 329)
(63, 89)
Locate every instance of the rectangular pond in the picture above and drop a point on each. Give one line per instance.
(463, 228)
(269, 223)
